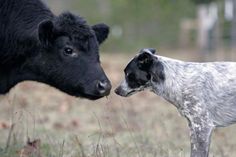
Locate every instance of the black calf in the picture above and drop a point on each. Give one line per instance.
(61, 51)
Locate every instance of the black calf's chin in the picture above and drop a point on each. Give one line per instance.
(92, 97)
(87, 96)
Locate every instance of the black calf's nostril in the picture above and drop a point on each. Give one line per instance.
(103, 87)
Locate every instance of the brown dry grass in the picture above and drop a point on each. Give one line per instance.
(143, 125)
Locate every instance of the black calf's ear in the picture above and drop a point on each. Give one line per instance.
(101, 31)
(45, 32)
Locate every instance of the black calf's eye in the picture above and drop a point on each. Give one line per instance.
(70, 52)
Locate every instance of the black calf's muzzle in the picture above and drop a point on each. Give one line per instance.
(103, 87)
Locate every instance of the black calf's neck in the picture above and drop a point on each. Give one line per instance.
(9, 77)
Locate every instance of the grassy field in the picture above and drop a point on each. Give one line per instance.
(143, 125)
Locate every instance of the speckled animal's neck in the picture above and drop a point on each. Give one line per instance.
(171, 88)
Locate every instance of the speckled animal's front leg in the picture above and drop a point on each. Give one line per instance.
(200, 136)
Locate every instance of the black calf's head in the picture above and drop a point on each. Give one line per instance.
(69, 59)
(139, 73)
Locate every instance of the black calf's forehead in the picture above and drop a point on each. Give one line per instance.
(74, 25)
(81, 36)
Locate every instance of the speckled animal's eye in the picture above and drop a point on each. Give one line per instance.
(130, 77)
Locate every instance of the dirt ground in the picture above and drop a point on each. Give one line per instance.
(143, 125)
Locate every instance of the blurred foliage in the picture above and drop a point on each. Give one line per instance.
(137, 23)
(203, 1)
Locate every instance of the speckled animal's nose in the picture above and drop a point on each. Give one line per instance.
(119, 91)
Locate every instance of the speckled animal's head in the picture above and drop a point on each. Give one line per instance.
(139, 72)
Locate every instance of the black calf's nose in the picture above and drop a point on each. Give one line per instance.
(103, 87)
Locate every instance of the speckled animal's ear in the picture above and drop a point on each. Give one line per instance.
(145, 60)
(148, 50)
(152, 50)
(157, 72)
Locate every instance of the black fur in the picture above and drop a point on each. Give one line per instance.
(62, 51)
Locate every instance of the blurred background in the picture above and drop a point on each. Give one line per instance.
(143, 125)
(203, 26)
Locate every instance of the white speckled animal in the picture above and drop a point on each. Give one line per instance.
(204, 93)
